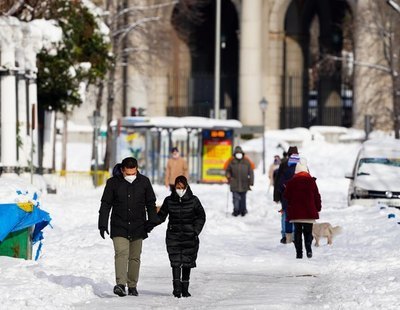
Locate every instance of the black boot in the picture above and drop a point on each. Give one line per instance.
(177, 292)
(299, 247)
(308, 238)
(185, 289)
(119, 290)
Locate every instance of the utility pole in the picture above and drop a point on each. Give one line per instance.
(217, 72)
(125, 60)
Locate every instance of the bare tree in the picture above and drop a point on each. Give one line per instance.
(383, 27)
(140, 33)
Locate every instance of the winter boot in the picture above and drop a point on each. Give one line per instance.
(283, 240)
(289, 238)
(177, 288)
(185, 289)
(119, 290)
(308, 238)
(299, 247)
(132, 291)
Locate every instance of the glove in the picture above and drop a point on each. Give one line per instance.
(102, 230)
(149, 226)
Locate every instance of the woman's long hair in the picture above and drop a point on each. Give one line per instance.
(181, 179)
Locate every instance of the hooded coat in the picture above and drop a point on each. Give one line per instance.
(186, 221)
(304, 200)
(283, 175)
(239, 172)
(129, 203)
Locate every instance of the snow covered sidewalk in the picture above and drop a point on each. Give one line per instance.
(241, 264)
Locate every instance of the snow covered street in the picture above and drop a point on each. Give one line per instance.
(241, 264)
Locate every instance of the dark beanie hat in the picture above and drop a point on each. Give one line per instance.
(292, 150)
(238, 149)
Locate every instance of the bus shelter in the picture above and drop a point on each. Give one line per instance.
(205, 143)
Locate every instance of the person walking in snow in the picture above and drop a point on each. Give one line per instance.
(273, 170)
(185, 223)
(284, 174)
(304, 204)
(239, 170)
(176, 166)
(129, 195)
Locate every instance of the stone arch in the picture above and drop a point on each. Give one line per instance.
(301, 80)
(196, 40)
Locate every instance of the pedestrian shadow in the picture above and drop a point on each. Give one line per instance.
(100, 289)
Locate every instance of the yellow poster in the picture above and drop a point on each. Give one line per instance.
(215, 154)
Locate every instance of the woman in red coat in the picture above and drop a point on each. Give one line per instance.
(304, 203)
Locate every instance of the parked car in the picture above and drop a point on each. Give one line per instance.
(376, 174)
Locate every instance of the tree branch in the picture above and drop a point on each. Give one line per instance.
(17, 5)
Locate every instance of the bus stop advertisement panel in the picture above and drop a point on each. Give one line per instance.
(216, 150)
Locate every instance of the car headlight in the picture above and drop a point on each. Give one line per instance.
(360, 192)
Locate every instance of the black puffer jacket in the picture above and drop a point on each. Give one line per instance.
(129, 203)
(186, 220)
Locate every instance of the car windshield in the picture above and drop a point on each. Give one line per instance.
(378, 166)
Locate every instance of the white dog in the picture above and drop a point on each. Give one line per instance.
(325, 230)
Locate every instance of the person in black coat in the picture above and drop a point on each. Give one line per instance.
(186, 220)
(130, 196)
(284, 174)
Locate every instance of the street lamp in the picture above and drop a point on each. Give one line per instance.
(96, 121)
(263, 106)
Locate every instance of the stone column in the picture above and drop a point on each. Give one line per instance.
(33, 46)
(48, 140)
(9, 36)
(250, 63)
(23, 131)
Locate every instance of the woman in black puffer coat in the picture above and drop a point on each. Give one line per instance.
(186, 220)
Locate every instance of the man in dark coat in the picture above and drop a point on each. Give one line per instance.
(239, 170)
(284, 174)
(129, 195)
(304, 203)
(186, 220)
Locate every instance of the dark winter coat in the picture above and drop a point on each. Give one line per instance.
(304, 200)
(240, 174)
(284, 174)
(186, 220)
(129, 203)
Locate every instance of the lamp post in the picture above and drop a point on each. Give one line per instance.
(263, 106)
(96, 121)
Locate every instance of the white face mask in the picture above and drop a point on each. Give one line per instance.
(130, 178)
(239, 155)
(181, 192)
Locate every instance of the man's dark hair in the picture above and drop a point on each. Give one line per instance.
(129, 163)
(181, 179)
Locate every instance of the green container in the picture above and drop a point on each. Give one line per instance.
(18, 244)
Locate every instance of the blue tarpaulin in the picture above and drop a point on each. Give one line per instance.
(23, 214)
(14, 218)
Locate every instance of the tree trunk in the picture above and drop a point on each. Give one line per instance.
(64, 145)
(396, 84)
(53, 160)
(110, 105)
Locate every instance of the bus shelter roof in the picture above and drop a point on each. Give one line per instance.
(170, 122)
